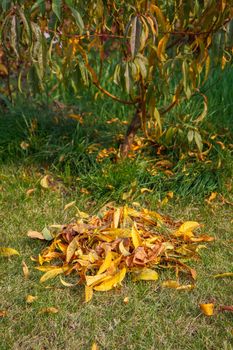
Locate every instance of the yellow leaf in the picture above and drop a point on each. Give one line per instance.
(135, 237)
(94, 347)
(225, 274)
(88, 293)
(47, 310)
(126, 300)
(106, 264)
(186, 227)
(77, 117)
(212, 197)
(207, 309)
(116, 217)
(44, 182)
(170, 284)
(162, 46)
(67, 284)
(52, 273)
(30, 299)
(93, 280)
(112, 281)
(35, 234)
(71, 204)
(3, 69)
(123, 250)
(144, 189)
(25, 270)
(145, 275)
(6, 251)
(73, 245)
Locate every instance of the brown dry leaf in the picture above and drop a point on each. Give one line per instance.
(3, 313)
(88, 293)
(35, 234)
(207, 309)
(7, 252)
(126, 300)
(49, 310)
(226, 308)
(30, 191)
(30, 299)
(25, 270)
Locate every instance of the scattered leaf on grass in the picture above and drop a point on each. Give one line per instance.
(102, 249)
(71, 204)
(94, 347)
(47, 234)
(207, 309)
(126, 300)
(88, 293)
(49, 310)
(45, 181)
(3, 313)
(35, 234)
(6, 251)
(145, 275)
(30, 299)
(25, 269)
(226, 308)
(30, 191)
(225, 274)
(211, 197)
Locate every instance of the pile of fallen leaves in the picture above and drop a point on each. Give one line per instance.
(103, 248)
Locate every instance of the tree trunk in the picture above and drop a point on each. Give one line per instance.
(130, 134)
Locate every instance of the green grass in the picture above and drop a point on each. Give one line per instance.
(154, 318)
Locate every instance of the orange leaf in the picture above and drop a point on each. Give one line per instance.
(207, 309)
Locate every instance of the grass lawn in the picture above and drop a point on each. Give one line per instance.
(154, 318)
(36, 140)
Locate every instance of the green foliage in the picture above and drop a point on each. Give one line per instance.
(157, 53)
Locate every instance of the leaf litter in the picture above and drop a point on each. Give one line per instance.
(102, 249)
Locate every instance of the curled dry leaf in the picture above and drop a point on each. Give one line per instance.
(102, 249)
(7, 252)
(30, 191)
(25, 270)
(207, 309)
